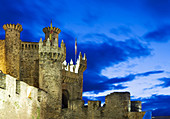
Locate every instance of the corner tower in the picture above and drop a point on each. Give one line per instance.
(12, 49)
(51, 58)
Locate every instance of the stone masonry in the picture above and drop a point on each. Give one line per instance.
(36, 82)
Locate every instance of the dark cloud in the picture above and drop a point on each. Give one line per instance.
(121, 30)
(111, 51)
(96, 83)
(103, 83)
(107, 53)
(161, 34)
(166, 82)
(149, 73)
(158, 104)
(90, 18)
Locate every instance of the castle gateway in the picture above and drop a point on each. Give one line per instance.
(36, 82)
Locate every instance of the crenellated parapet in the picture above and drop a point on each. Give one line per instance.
(53, 31)
(49, 50)
(12, 88)
(17, 27)
(117, 106)
(70, 72)
(18, 99)
(47, 29)
(81, 65)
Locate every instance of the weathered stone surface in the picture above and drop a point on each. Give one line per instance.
(29, 63)
(12, 49)
(22, 105)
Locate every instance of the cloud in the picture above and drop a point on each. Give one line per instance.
(149, 73)
(106, 53)
(141, 86)
(158, 104)
(103, 83)
(121, 30)
(166, 82)
(90, 18)
(110, 51)
(159, 35)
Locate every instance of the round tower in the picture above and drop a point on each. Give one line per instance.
(51, 33)
(12, 49)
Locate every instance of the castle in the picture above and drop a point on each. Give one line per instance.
(36, 82)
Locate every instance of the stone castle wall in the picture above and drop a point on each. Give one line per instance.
(29, 63)
(72, 76)
(18, 100)
(118, 106)
(2, 56)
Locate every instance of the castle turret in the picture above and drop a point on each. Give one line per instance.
(51, 32)
(12, 49)
(51, 58)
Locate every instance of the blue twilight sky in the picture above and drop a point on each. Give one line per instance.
(127, 43)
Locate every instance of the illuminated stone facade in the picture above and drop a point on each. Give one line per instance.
(37, 82)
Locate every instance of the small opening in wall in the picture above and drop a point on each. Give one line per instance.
(9, 95)
(16, 34)
(65, 98)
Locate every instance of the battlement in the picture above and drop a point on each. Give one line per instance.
(94, 105)
(12, 88)
(29, 46)
(136, 106)
(117, 105)
(47, 29)
(17, 27)
(80, 66)
(50, 50)
(18, 99)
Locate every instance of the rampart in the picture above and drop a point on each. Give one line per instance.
(117, 106)
(18, 100)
